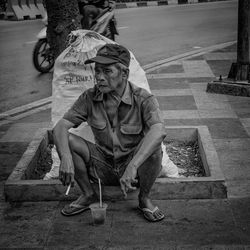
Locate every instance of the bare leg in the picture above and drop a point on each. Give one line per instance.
(81, 155)
(148, 173)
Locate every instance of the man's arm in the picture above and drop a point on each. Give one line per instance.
(151, 142)
(61, 139)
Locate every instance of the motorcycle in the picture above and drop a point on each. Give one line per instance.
(43, 58)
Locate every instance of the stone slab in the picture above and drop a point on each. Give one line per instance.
(238, 188)
(172, 92)
(241, 213)
(156, 84)
(177, 102)
(221, 56)
(22, 231)
(217, 113)
(234, 157)
(221, 128)
(180, 114)
(20, 187)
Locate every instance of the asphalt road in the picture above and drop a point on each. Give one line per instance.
(151, 33)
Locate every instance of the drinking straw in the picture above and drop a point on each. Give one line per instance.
(100, 191)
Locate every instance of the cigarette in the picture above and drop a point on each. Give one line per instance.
(67, 192)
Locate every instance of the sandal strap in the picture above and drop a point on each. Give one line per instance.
(75, 205)
(150, 211)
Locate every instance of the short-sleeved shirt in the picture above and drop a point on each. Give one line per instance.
(138, 110)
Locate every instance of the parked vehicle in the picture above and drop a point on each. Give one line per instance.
(43, 59)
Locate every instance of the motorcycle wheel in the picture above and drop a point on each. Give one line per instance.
(43, 58)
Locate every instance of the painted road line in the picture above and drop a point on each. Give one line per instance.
(25, 110)
(121, 28)
(165, 62)
(10, 119)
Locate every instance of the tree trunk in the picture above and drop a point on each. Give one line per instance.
(63, 17)
(240, 69)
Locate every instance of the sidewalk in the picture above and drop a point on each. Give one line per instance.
(180, 87)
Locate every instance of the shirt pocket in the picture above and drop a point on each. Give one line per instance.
(99, 130)
(131, 134)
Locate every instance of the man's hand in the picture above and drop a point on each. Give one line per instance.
(66, 172)
(128, 179)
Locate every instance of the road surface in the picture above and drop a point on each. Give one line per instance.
(151, 33)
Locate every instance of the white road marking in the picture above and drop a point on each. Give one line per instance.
(121, 28)
(30, 42)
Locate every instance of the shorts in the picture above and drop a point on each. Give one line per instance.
(105, 168)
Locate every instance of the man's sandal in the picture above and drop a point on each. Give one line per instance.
(73, 209)
(152, 215)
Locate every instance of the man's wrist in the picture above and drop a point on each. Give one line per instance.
(65, 155)
(134, 165)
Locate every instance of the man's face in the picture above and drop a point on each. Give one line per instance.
(108, 77)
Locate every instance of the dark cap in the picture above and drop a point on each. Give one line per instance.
(111, 53)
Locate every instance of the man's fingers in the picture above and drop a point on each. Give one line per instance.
(129, 186)
(123, 188)
(67, 179)
(62, 177)
(72, 179)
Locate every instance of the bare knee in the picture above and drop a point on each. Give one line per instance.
(78, 146)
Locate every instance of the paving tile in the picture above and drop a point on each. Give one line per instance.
(242, 112)
(174, 68)
(245, 122)
(172, 92)
(241, 212)
(239, 102)
(222, 56)
(184, 122)
(220, 68)
(10, 154)
(198, 87)
(78, 231)
(248, 130)
(168, 84)
(2, 198)
(131, 229)
(234, 157)
(199, 90)
(22, 132)
(26, 225)
(198, 68)
(217, 113)
(204, 222)
(176, 102)
(231, 48)
(180, 114)
(204, 102)
(238, 188)
(225, 128)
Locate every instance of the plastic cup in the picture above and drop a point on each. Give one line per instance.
(98, 213)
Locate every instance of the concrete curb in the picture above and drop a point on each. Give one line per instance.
(161, 2)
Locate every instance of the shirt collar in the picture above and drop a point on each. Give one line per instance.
(126, 97)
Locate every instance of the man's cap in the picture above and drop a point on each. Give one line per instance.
(111, 53)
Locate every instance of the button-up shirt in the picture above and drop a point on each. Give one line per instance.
(137, 110)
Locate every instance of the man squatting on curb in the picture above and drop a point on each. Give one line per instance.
(128, 130)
